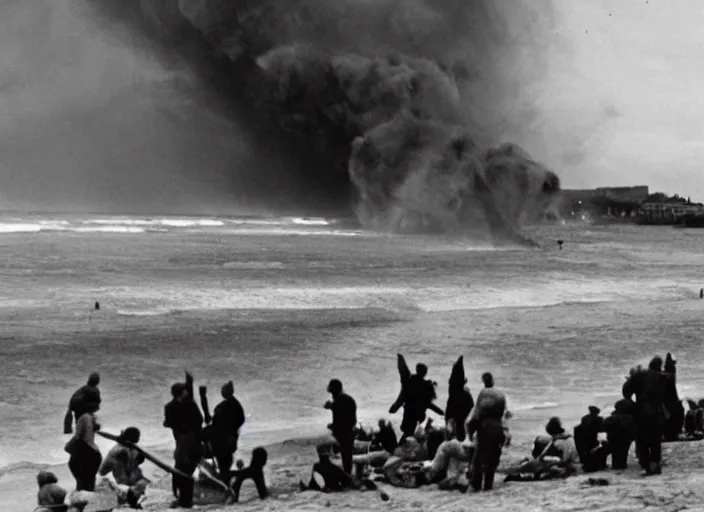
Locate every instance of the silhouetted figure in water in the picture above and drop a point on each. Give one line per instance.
(416, 398)
(673, 404)
(648, 387)
(185, 420)
(620, 428)
(255, 471)
(487, 423)
(344, 421)
(592, 453)
(559, 243)
(85, 457)
(459, 402)
(228, 418)
(97, 306)
(88, 394)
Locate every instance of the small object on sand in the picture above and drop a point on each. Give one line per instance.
(384, 496)
(559, 243)
(598, 482)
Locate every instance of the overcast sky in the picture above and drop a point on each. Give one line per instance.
(644, 58)
(73, 100)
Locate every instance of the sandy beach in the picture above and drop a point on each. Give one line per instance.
(678, 488)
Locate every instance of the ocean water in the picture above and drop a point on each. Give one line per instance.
(281, 305)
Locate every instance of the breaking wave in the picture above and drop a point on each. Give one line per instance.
(294, 226)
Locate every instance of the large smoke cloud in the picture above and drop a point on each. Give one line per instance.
(399, 106)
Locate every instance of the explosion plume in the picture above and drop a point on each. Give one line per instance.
(401, 104)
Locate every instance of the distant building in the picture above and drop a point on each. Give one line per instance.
(602, 201)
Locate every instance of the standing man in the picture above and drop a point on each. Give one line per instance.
(649, 388)
(185, 420)
(487, 422)
(344, 420)
(228, 418)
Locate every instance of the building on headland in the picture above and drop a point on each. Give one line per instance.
(627, 204)
(614, 202)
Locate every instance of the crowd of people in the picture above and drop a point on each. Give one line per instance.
(472, 437)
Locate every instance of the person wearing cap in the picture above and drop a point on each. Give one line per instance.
(648, 386)
(228, 418)
(185, 420)
(487, 421)
(344, 421)
(89, 393)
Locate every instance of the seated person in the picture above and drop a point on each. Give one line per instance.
(255, 471)
(445, 468)
(554, 456)
(592, 452)
(326, 476)
(123, 462)
(694, 419)
(385, 438)
(51, 496)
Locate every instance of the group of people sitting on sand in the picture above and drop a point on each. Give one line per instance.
(198, 437)
(473, 436)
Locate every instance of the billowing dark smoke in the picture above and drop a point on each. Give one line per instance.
(396, 107)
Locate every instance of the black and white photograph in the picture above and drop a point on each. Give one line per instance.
(359, 255)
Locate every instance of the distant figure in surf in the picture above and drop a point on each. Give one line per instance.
(416, 397)
(673, 404)
(97, 306)
(559, 243)
(344, 421)
(83, 396)
(185, 420)
(85, 457)
(459, 402)
(123, 462)
(50, 495)
(228, 418)
(648, 387)
(487, 422)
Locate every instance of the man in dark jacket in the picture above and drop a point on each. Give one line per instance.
(416, 397)
(487, 422)
(88, 394)
(185, 420)
(344, 421)
(228, 418)
(648, 387)
(620, 430)
(592, 453)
